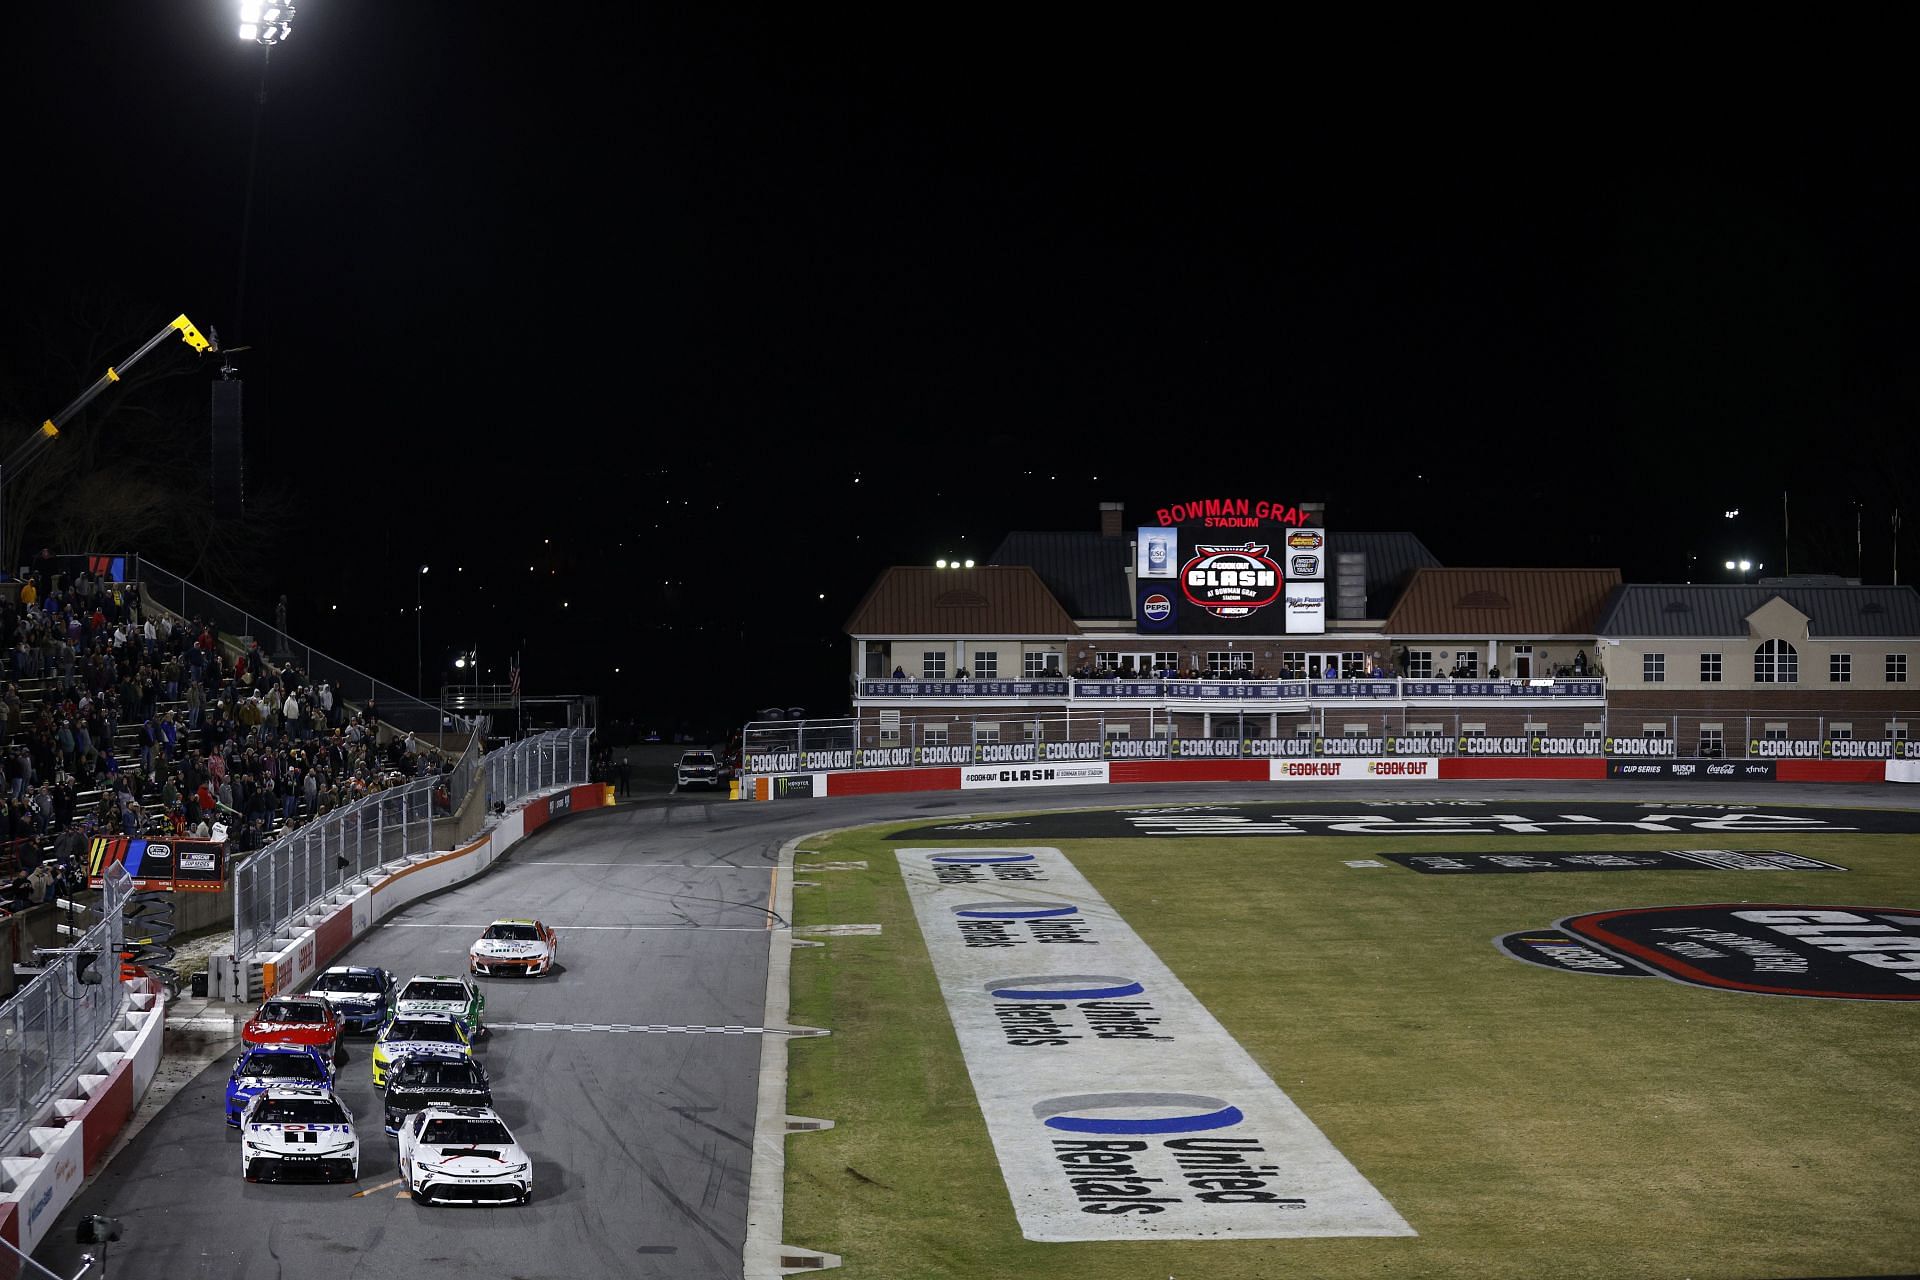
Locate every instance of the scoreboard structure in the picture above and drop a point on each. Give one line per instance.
(183, 866)
(1231, 566)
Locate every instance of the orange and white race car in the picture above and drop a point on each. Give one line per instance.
(514, 949)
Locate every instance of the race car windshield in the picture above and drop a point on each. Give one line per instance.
(512, 933)
(281, 1066)
(422, 1029)
(355, 983)
(300, 1111)
(439, 1075)
(464, 1132)
(276, 1011)
(435, 991)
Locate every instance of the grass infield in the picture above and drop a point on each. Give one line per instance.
(1526, 1122)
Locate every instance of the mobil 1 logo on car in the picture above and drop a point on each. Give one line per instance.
(1761, 948)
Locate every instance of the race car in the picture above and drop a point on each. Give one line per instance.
(457, 998)
(293, 1134)
(426, 1035)
(298, 1020)
(415, 1084)
(262, 1068)
(514, 949)
(362, 996)
(463, 1155)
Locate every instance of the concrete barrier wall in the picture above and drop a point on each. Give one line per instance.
(1903, 771)
(324, 935)
(78, 1126)
(860, 782)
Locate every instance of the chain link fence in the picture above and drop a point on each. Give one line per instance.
(393, 705)
(58, 1018)
(275, 888)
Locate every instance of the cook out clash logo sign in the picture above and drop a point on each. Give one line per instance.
(1231, 582)
(1758, 948)
(1118, 1107)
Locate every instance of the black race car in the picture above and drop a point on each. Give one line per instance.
(418, 1083)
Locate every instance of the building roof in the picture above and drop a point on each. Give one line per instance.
(1508, 602)
(1392, 558)
(1086, 571)
(993, 600)
(1668, 609)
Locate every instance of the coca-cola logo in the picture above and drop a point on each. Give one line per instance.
(1231, 582)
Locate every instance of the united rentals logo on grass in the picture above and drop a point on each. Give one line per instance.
(1775, 949)
(1623, 860)
(1118, 1107)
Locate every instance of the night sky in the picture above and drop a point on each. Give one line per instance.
(658, 336)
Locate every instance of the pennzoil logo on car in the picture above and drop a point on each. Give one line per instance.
(1766, 948)
(1231, 582)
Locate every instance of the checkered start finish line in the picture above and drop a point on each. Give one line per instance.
(651, 1028)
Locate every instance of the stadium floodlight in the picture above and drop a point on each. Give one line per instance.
(461, 662)
(267, 24)
(969, 564)
(939, 564)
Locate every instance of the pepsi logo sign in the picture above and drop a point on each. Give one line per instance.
(1156, 608)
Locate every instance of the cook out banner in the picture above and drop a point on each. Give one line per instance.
(1118, 1107)
(1236, 690)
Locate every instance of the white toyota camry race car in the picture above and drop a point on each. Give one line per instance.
(463, 1155)
(294, 1134)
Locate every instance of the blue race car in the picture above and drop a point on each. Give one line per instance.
(270, 1065)
(363, 996)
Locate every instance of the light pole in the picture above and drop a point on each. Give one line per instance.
(1743, 566)
(419, 682)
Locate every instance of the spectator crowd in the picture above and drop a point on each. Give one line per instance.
(114, 721)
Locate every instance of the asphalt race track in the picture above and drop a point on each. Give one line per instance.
(641, 1137)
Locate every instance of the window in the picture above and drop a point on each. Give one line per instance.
(1896, 668)
(1294, 663)
(1709, 668)
(934, 735)
(986, 733)
(1535, 726)
(1224, 662)
(1840, 729)
(1520, 665)
(1168, 661)
(1355, 730)
(986, 665)
(1473, 730)
(1653, 729)
(1653, 668)
(1306, 729)
(1435, 729)
(1713, 742)
(1467, 663)
(1896, 731)
(1106, 661)
(1775, 732)
(889, 728)
(1592, 729)
(1840, 668)
(1118, 731)
(1776, 662)
(1035, 665)
(1419, 664)
(933, 665)
(1030, 731)
(1353, 665)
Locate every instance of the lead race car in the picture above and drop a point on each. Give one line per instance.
(298, 1134)
(514, 949)
(463, 1155)
(298, 1020)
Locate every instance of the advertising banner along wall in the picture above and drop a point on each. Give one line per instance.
(1118, 1107)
